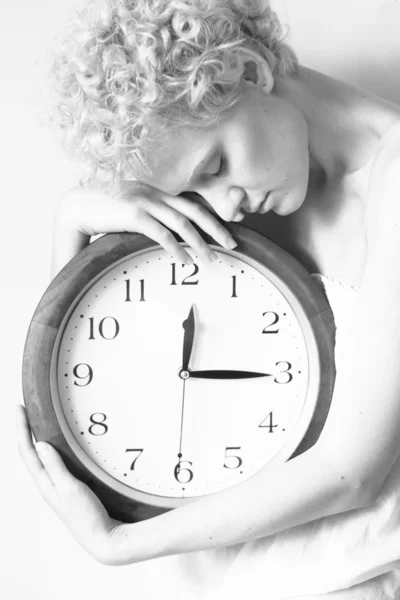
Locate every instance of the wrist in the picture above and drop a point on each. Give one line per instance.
(69, 209)
(130, 543)
(68, 240)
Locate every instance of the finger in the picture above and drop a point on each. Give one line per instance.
(203, 218)
(181, 224)
(149, 226)
(30, 457)
(55, 467)
(239, 217)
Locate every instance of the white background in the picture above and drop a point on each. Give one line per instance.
(355, 40)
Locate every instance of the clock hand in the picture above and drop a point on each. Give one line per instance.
(225, 374)
(182, 414)
(189, 326)
(188, 337)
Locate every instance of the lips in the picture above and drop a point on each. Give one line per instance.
(262, 208)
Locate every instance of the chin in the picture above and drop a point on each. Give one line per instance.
(289, 204)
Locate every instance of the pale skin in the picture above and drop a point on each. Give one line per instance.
(330, 155)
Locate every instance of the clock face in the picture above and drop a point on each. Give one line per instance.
(124, 408)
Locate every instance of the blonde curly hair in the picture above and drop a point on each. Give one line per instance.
(133, 70)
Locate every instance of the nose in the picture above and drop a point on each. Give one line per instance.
(226, 201)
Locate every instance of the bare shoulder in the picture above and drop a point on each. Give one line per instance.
(383, 199)
(388, 153)
(392, 133)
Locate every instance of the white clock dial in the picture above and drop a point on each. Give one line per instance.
(116, 385)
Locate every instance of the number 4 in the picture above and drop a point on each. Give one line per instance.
(270, 424)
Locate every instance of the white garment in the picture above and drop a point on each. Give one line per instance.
(350, 556)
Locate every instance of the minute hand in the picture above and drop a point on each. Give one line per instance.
(224, 374)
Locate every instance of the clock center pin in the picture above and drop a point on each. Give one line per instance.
(184, 374)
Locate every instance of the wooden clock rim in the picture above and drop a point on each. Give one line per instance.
(97, 257)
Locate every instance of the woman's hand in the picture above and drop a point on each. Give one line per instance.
(84, 212)
(75, 504)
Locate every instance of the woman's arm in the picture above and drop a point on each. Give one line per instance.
(360, 441)
(88, 211)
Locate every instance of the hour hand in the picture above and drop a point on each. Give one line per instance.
(225, 374)
(188, 326)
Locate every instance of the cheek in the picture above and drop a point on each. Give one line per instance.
(270, 146)
(248, 145)
(292, 140)
(258, 155)
(292, 174)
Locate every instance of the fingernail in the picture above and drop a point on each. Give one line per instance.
(230, 242)
(188, 260)
(212, 256)
(42, 448)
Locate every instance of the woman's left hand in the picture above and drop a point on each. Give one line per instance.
(75, 504)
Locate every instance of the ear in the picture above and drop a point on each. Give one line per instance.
(256, 70)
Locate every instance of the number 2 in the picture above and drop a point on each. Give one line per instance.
(275, 320)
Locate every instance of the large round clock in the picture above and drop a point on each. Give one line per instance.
(160, 382)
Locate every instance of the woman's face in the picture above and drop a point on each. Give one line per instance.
(259, 148)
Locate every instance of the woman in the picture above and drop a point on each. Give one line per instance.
(186, 110)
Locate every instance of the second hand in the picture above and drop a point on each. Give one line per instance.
(188, 337)
(182, 414)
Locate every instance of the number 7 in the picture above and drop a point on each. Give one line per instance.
(140, 450)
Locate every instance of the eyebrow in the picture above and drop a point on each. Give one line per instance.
(207, 158)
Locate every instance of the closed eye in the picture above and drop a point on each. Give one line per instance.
(222, 166)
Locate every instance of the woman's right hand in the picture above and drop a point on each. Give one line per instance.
(84, 212)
